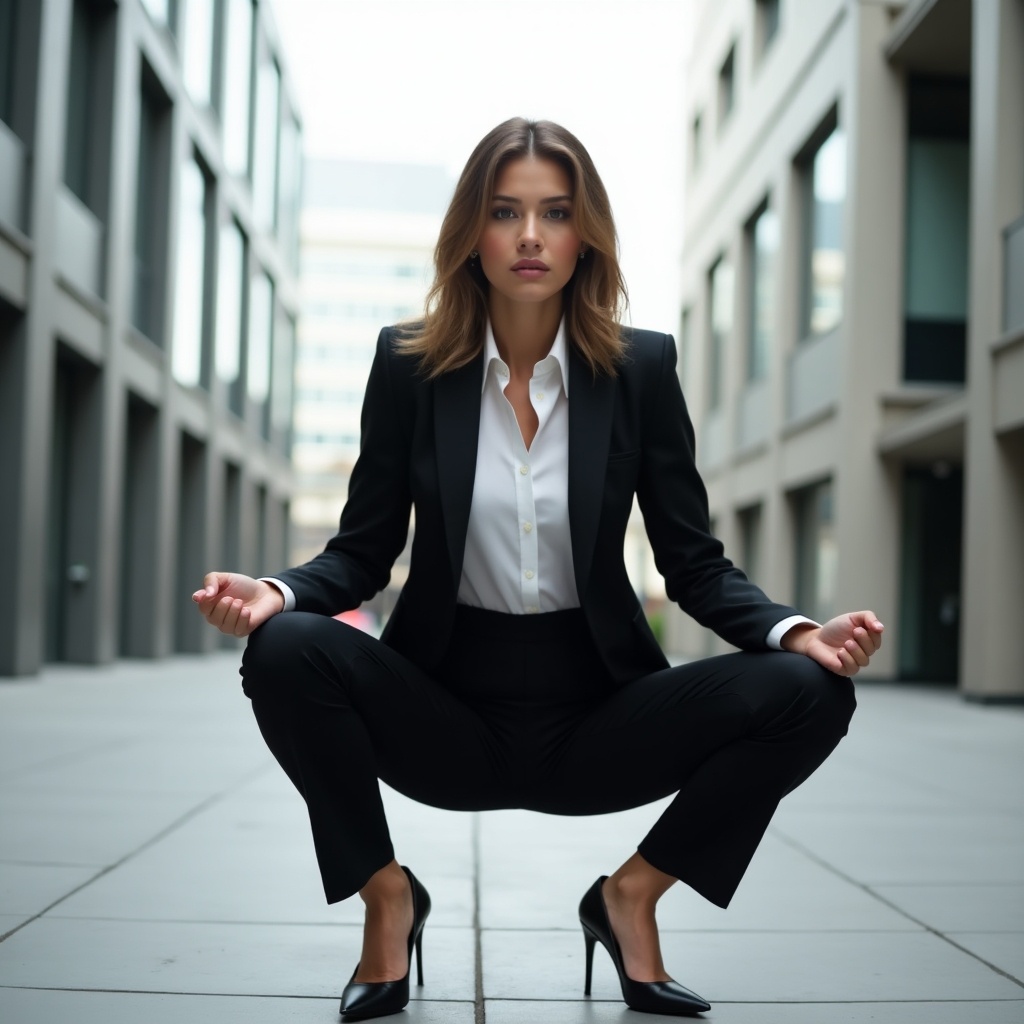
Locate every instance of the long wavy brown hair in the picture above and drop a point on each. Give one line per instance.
(451, 332)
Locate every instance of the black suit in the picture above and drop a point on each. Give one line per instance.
(470, 709)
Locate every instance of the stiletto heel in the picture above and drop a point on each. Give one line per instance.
(362, 1000)
(589, 941)
(644, 996)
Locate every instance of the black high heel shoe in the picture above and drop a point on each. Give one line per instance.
(645, 996)
(362, 1000)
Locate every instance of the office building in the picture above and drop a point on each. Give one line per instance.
(149, 200)
(853, 324)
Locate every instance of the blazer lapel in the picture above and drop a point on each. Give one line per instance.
(456, 427)
(591, 403)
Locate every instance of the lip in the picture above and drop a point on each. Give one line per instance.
(530, 265)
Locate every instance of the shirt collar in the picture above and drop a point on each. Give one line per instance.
(559, 352)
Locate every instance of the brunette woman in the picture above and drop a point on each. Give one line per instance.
(519, 418)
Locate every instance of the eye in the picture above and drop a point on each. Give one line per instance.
(558, 213)
(503, 213)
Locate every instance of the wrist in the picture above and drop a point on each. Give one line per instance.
(797, 637)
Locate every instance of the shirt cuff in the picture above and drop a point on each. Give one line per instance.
(286, 592)
(779, 630)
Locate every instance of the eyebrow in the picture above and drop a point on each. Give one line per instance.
(519, 202)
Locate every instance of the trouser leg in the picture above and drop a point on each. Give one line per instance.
(730, 736)
(340, 710)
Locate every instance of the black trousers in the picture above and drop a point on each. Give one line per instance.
(522, 714)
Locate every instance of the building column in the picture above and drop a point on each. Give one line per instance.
(992, 647)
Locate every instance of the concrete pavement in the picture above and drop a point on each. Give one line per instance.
(155, 865)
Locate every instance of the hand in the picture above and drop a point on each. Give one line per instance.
(844, 645)
(237, 604)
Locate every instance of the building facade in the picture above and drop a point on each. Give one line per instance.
(853, 323)
(149, 199)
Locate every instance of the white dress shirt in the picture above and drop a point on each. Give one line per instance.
(518, 549)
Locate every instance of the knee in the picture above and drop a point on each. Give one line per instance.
(826, 698)
(277, 653)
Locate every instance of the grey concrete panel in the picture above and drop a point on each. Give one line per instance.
(754, 421)
(30, 1006)
(228, 959)
(1003, 949)
(812, 384)
(30, 888)
(912, 846)
(12, 177)
(744, 967)
(965, 907)
(925, 1012)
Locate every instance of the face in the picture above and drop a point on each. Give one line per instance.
(530, 246)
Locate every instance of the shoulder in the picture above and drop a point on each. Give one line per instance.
(647, 352)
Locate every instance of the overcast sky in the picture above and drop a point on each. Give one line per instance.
(423, 81)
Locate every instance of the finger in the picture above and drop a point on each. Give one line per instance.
(219, 613)
(212, 583)
(231, 617)
(243, 627)
(868, 642)
(855, 651)
(870, 621)
(849, 666)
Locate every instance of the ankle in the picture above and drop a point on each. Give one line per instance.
(627, 890)
(386, 888)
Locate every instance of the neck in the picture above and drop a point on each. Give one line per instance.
(524, 332)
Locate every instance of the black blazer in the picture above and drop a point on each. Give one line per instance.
(628, 433)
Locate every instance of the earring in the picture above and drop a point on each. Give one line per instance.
(473, 255)
(582, 253)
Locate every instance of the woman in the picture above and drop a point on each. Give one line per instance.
(517, 670)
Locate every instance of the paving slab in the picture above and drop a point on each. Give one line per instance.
(215, 959)
(746, 967)
(960, 908)
(31, 1006)
(1003, 949)
(596, 1012)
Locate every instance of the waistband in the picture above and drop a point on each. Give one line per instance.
(562, 625)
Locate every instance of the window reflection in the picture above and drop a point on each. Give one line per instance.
(237, 76)
(721, 289)
(825, 265)
(230, 278)
(198, 54)
(187, 361)
(268, 92)
(764, 245)
(261, 305)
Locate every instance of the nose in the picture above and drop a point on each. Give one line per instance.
(529, 237)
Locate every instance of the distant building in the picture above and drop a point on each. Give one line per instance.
(367, 238)
(149, 187)
(853, 324)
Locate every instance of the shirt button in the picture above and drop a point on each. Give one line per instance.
(532, 609)
(528, 574)
(527, 527)
(524, 470)
(540, 396)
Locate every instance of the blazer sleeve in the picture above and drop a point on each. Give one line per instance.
(673, 499)
(356, 562)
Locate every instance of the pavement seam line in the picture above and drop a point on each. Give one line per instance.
(479, 1010)
(163, 833)
(864, 887)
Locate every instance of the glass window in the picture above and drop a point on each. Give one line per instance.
(283, 379)
(696, 142)
(289, 183)
(268, 94)
(198, 56)
(817, 556)
(727, 86)
(721, 281)
(190, 289)
(261, 313)
(8, 31)
(824, 259)
(237, 85)
(767, 23)
(88, 100)
(151, 207)
(750, 541)
(230, 299)
(762, 250)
